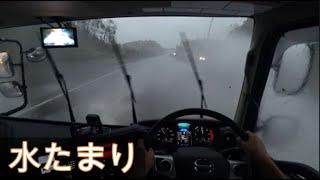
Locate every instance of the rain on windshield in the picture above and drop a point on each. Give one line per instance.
(162, 78)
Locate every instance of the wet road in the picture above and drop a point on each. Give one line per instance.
(161, 84)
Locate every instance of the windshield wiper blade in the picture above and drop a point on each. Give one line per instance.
(62, 84)
(118, 55)
(187, 48)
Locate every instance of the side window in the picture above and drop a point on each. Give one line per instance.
(288, 121)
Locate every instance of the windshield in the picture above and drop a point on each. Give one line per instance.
(162, 77)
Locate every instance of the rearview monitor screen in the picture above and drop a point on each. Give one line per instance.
(59, 37)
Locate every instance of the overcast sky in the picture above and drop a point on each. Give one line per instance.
(165, 30)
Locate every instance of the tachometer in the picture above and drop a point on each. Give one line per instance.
(165, 135)
(202, 135)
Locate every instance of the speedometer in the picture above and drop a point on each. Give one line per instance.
(202, 135)
(165, 135)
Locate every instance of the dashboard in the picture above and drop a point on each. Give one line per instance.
(187, 133)
(178, 133)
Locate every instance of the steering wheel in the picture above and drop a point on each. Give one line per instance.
(197, 161)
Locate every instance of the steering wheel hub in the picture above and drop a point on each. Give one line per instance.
(200, 162)
(203, 166)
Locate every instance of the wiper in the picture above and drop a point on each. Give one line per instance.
(62, 84)
(117, 52)
(61, 81)
(187, 48)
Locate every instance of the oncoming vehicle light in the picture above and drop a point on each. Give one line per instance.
(202, 58)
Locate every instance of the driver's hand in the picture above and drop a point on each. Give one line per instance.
(143, 160)
(254, 146)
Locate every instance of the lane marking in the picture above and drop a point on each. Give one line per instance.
(74, 89)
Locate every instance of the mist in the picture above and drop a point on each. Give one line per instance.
(162, 83)
(166, 30)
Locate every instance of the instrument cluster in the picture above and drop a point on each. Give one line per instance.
(195, 133)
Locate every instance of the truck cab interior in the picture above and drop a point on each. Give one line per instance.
(192, 141)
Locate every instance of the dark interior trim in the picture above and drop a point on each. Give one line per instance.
(58, 123)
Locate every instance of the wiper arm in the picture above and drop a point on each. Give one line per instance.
(187, 48)
(117, 52)
(62, 84)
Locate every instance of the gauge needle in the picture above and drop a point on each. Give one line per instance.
(162, 131)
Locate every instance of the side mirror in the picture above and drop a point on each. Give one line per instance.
(13, 97)
(293, 70)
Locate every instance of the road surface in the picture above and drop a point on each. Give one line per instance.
(161, 84)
